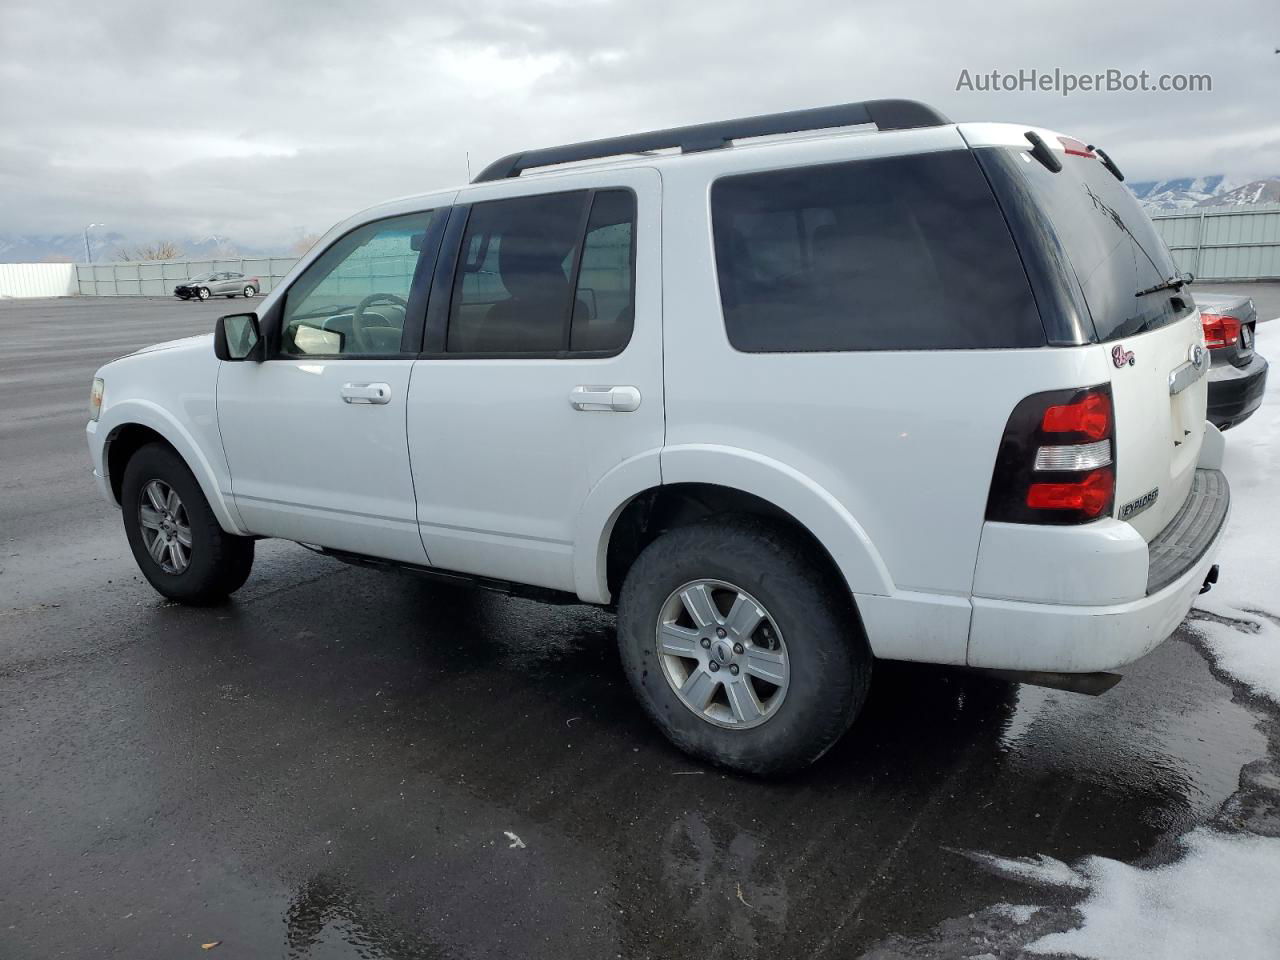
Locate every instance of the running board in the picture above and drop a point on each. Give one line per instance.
(505, 587)
(1091, 684)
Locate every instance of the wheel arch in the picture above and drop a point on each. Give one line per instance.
(136, 423)
(619, 518)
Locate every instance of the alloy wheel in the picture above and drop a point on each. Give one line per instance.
(166, 528)
(722, 653)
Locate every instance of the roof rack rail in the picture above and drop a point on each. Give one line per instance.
(885, 114)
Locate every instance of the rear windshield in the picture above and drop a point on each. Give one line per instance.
(893, 253)
(1110, 246)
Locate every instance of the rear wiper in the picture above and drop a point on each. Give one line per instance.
(1173, 283)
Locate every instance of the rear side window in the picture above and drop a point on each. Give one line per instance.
(895, 253)
(545, 275)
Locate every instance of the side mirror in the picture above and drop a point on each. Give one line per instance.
(1188, 277)
(237, 337)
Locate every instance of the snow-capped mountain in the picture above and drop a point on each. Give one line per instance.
(1266, 190)
(1215, 190)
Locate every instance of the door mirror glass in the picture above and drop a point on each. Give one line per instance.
(237, 337)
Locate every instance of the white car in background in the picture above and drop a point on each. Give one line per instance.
(892, 388)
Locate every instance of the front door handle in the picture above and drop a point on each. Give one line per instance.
(366, 393)
(606, 399)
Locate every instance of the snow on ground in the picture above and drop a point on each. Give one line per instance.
(1037, 869)
(1218, 900)
(1248, 591)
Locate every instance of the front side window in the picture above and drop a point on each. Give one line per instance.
(892, 253)
(353, 299)
(545, 275)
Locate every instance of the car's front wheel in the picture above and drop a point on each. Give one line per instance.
(176, 540)
(741, 647)
(203, 293)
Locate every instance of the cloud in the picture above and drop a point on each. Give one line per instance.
(261, 121)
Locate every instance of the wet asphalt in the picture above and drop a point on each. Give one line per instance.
(346, 763)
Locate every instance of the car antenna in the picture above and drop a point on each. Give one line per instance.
(468, 166)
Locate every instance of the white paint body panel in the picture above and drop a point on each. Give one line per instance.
(1097, 563)
(502, 462)
(169, 388)
(1073, 638)
(307, 466)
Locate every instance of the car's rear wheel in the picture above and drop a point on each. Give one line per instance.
(743, 648)
(250, 292)
(176, 540)
(203, 293)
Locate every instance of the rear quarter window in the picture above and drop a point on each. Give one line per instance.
(894, 253)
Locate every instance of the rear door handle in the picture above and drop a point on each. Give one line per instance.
(366, 393)
(605, 399)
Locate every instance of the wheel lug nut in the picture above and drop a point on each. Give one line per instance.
(721, 633)
(713, 666)
(733, 668)
(706, 643)
(738, 648)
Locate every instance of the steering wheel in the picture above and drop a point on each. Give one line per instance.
(358, 325)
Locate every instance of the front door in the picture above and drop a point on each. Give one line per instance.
(315, 435)
(543, 369)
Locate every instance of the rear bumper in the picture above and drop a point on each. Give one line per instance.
(1016, 634)
(1236, 392)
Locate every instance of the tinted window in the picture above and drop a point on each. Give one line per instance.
(898, 253)
(353, 298)
(1110, 245)
(513, 286)
(604, 308)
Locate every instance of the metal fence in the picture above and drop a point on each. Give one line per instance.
(157, 278)
(1228, 243)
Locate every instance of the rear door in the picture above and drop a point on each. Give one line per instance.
(1114, 271)
(542, 370)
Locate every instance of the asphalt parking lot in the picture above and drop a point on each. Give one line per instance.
(341, 762)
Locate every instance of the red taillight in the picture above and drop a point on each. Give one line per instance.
(1089, 416)
(1075, 148)
(1220, 330)
(1056, 461)
(1090, 496)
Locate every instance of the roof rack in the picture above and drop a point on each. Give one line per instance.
(885, 114)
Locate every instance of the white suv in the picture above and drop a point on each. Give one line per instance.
(795, 392)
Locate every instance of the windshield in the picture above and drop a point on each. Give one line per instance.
(1107, 241)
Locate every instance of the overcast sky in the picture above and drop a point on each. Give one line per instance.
(264, 120)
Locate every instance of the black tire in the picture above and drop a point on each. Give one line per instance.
(203, 293)
(829, 660)
(219, 561)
